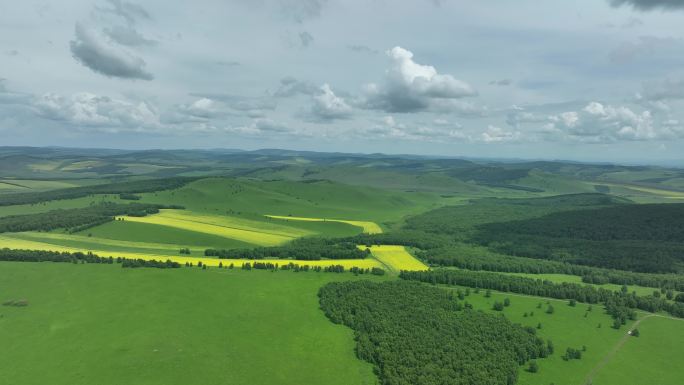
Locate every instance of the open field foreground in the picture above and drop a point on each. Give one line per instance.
(100, 324)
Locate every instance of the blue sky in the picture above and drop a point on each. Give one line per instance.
(585, 80)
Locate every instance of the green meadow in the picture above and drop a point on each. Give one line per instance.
(640, 360)
(101, 324)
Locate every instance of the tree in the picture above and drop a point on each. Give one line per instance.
(533, 367)
(635, 333)
(498, 306)
(572, 303)
(507, 302)
(550, 309)
(488, 293)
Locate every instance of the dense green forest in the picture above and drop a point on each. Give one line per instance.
(646, 238)
(130, 187)
(308, 249)
(77, 219)
(419, 335)
(473, 258)
(459, 222)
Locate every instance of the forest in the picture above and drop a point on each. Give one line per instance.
(128, 187)
(77, 219)
(415, 334)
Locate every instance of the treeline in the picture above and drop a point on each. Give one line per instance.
(473, 258)
(644, 222)
(633, 255)
(77, 219)
(459, 222)
(543, 288)
(645, 238)
(306, 249)
(412, 238)
(134, 263)
(20, 255)
(295, 267)
(139, 186)
(420, 335)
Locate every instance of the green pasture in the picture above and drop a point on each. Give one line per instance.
(101, 324)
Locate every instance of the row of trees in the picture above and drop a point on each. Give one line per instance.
(543, 288)
(77, 219)
(470, 258)
(134, 263)
(306, 249)
(419, 335)
(139, 186)
(297, 268)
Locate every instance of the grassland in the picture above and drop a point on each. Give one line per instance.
(101, 324)
(367, 226)
(569, 327)
(559, 278)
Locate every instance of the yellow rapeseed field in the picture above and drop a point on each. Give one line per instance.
(395, 258)
(215, 225)
(368, 227)
(18, 243)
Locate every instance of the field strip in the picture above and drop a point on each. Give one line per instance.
(671, 194)
(250, 236)
(237, 223)
(46, 237)
(396, 258)
(367, 226)
(15, 243)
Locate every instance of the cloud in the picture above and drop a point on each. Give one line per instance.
(501, 82)
(12, 52)
(306, 39)
(411, 87)
(495, 134)
(328, 107)
(229, 63)
(130, 12)
(362, 49)
(301, 10)
(125, 35)
(290, 86)
(105, 58)
(644, 47)
(665, 90)
(255, 107)
(648, 5)
(89, 110)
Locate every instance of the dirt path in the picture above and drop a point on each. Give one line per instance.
(590, 377)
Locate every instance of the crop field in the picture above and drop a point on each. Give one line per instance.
(367, 226)
(159, 252)
(658, 347)
(219, 226)
(179, 326)
(396, 258)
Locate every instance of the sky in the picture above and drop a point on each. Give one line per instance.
(589, 80)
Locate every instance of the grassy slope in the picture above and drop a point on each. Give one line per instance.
(185, 326)
(653, 358)
(568, 327)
